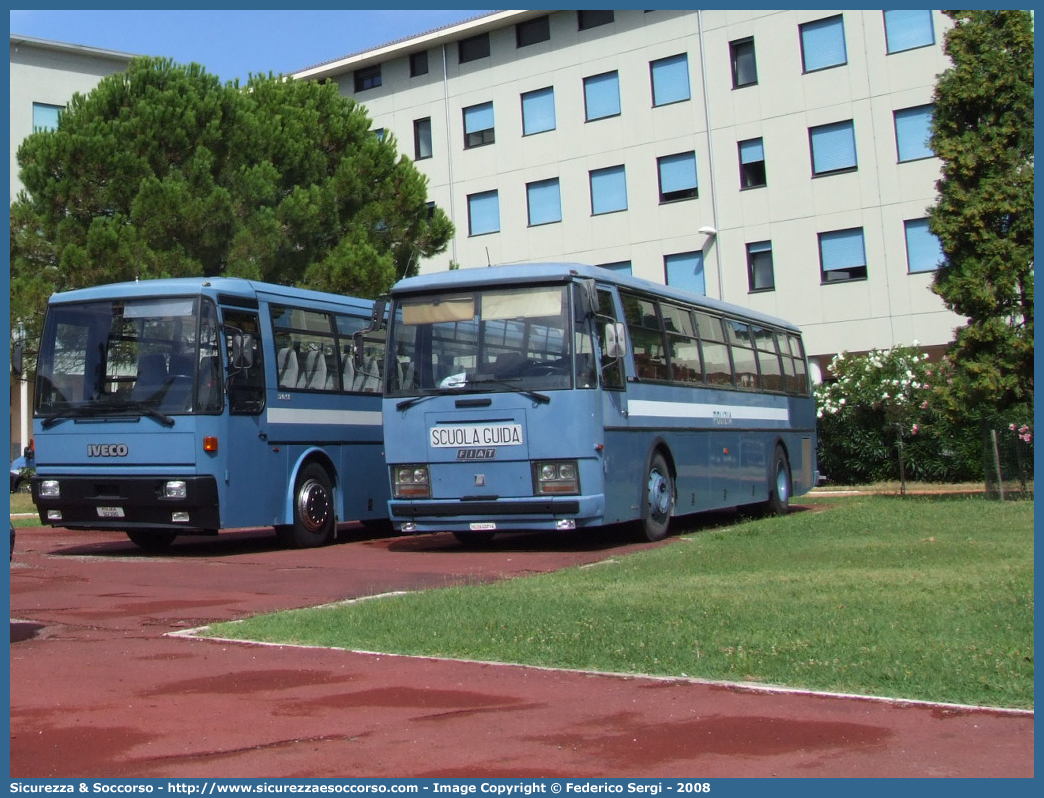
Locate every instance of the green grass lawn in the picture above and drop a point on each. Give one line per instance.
(917, 598)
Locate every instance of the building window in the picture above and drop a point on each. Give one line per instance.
(670, 80)
(907, 30)
(823, 44)
(842, 256)
(913, 128)
(685, 271)
(538, 111)
(677, 177)
(473, 48)
(744, 67)
(368, 78)
(532, 31)
(483, 213)
(760, 276)
(608, 190)
(379, 133)
(592, 19)
(833, 148)
(421, 138)
(923, 251)
(478, 125)
(752, 163)
(620, 266)
(602, 96)
(544, 201)
(45, 117)
(418, 64)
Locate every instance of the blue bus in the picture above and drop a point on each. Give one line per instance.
(563, 396)
(186, 406)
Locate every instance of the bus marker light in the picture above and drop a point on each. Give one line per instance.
(179, 517)
(565, 523)
(210, 443)
(54, 515)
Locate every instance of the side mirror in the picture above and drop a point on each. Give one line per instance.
(17, 358)
(614, 340)
(377, 317)
(242, 351)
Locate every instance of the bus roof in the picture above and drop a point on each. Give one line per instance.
(530, 273)
(192, 286)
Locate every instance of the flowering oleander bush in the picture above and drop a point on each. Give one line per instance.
(873, 404)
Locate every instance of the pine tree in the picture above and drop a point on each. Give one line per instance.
(983, 132)
(162, 171)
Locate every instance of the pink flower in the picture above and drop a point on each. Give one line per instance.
(915, 429)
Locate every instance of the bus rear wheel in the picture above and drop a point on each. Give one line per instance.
(151, 541)
(314, 519)
(779, 484)
(657, 499)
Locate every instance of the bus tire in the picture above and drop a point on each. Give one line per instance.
(657, 499)
(151, 541)
(780, 485)
(314, 517)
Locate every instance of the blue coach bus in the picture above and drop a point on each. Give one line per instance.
(185, 406)
(561, 396)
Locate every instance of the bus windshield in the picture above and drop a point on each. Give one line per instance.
(155, 356)
(488, 340)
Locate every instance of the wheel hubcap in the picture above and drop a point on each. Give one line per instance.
(782, 488)
(659, 494)
(313, 505)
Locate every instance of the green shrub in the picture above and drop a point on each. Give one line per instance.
(880, 419)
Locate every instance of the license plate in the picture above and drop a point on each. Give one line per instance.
(110, 512)
(483, 527)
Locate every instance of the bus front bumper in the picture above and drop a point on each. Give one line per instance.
(538, 512)
(121, 503)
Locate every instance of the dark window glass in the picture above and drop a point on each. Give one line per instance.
(532, 31)
(744, 67)
(473, 48)
(592, 19)
(368, 78)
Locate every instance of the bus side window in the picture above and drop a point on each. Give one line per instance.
(716, 363)
(246, 386)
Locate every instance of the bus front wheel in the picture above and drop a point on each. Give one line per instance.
(658, 499)
(314, 520)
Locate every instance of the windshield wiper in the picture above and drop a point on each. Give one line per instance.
(88, 411)
(507, 383)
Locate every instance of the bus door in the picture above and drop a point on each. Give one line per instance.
(245, 455)
(612, 343)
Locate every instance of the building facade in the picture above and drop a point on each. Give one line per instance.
(44, 77)
(774, 159)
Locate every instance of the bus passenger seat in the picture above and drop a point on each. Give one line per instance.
(314, 374)
(286, 361)
(347, 370)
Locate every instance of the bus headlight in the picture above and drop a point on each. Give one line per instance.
(49, 489)
(556, 476)
(411, 482)
(175, 489)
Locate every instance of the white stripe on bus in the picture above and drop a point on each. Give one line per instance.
(361, 418)
(647, 408)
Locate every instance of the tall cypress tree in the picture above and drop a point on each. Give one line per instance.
(983, 132)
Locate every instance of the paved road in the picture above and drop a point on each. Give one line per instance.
(98, 689)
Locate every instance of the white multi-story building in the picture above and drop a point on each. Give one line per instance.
(44, 77)
(774, 159)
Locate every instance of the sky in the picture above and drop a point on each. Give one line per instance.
(232, 44)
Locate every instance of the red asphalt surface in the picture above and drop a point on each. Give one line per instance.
(99, 690)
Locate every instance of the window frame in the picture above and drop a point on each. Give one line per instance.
(832, 127)
(822, 25)
(902, 140)
(50, 109)
(669, 83)
(418, 139)
(747, 179)
(535, 190)
(921, 224)
(525, 31)
(856, 271)
(904, 16)
(755, 249)
(473, 48)
(590, 87)
(734, 60)
(477, 197)
(538, 95)
(700, 274)
(607, 172)
(481, 137)
(367, 78)
(686, 192)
